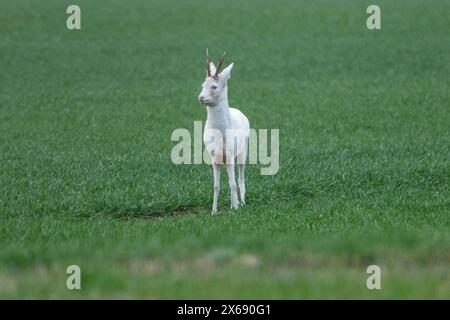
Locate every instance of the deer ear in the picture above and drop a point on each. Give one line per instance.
(212, 67)
(226, 73)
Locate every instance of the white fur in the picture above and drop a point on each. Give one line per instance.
(231, 123)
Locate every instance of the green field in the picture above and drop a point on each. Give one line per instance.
(86, 177)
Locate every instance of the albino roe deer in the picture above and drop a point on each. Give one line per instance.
(226, 131)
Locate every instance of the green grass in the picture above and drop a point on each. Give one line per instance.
(86, 177)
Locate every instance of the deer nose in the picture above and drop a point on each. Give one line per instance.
(201, 98)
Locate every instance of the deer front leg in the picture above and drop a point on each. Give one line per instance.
(242, 182)
(233, 187)
(216, 173)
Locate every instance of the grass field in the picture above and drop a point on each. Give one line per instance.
(86, 176)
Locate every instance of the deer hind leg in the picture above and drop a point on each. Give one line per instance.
(216, 173)
(233, 187)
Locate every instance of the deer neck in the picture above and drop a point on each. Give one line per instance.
(219, 115)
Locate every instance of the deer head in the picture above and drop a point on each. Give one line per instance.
(214, 88)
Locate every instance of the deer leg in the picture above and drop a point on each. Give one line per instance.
(216, 173)
(242, 182)
(241, 164)
(233, 187)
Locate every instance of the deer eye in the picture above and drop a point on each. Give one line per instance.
(214, 87)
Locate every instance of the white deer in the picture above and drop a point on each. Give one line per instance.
(226, 131)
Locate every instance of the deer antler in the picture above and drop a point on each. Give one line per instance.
(208, 68)
(216, 75)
